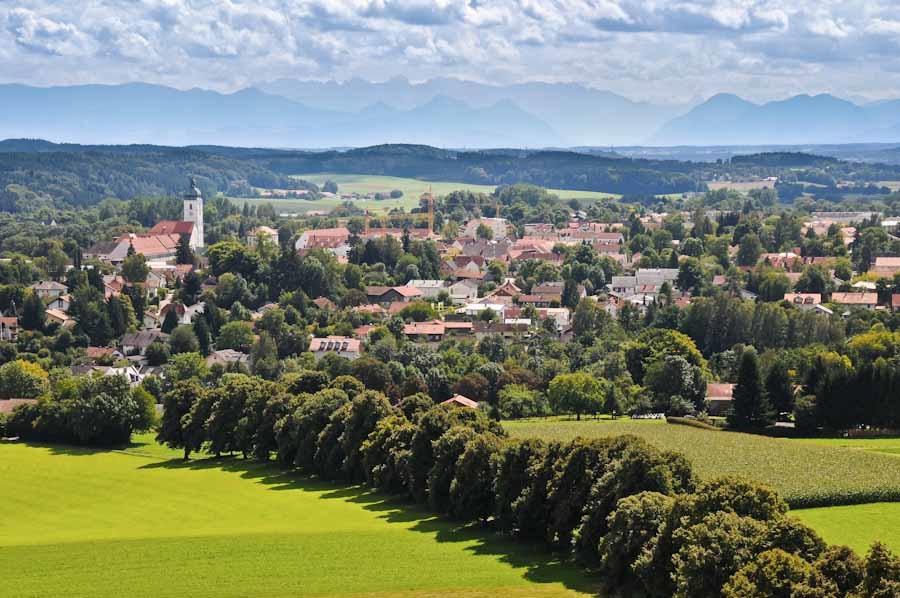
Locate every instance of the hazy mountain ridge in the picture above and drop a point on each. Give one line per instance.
(726, 119)
(441, 112)
(143, 113)
(582, 115)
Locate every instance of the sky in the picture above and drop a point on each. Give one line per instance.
(668, 51)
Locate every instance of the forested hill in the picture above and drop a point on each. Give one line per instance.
(79, 174)
(86, 174)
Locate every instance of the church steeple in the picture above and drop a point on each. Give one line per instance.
(193, 212)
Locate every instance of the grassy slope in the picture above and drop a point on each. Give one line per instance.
(856, 526)
(140, 523)
(806, 472)
(412, 190)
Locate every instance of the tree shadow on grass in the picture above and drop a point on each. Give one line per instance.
(74, 450)
(540, 566)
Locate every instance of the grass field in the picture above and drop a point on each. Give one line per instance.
(140, 523)
(856, 526)
(806, 472)
(412, 190)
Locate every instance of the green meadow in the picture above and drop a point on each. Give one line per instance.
(857, 526)
(412, 189)
(138, 522)
(806, 472)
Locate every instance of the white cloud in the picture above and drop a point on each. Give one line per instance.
(664, 49)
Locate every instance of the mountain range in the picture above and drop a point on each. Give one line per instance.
(445, 112)
(726, 119)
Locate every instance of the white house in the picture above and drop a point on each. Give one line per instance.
(429, 288)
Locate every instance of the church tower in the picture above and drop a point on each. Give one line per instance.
(193, 212)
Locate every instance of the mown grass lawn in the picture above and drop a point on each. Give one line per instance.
(857, 526)
(806, 472)
(139, 523)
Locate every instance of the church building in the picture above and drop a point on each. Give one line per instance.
(161, 241)
(192, 222)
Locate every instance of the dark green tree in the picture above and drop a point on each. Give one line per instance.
(750, 407)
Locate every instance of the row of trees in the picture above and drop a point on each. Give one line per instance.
(617, 504)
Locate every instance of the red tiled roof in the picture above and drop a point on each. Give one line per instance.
(7, 405)
(461, 401)
(719, 391)
(855, 298)
(170, 227)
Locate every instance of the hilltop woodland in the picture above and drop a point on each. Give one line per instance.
(639, 515)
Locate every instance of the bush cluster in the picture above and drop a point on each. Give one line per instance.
(87, 410)
(615, 504)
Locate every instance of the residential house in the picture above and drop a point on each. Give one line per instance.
(473, 310)
(262, 232)
(461, 401)
(885, 267)
(429, 289)
(539, 300)
(496, 225)
(136, 343)
(386, 295)
(7, 405)
(343, 346)
(806, 301)
(9, 328)
(325, 238)
(130, 372)
(98, 353)
(48, 289)
(463, 291)
(436, 330)
(324, 303)
(226, 357)
(61, 303)
(55, 316)
(185, 313)
(863, 300)
(718, 398)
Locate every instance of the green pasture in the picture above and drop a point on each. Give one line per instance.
(806, 472)
(364, 184)
(857, 526)
(139, 522)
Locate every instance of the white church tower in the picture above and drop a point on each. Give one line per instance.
(193, 212)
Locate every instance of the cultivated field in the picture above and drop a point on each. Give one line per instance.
(139, 523)
(807, 473)
(856, 526)
(743, 187)
(412, 190)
